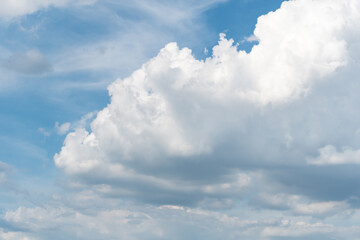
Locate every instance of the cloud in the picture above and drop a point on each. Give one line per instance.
(9, 188)
(31, 62)
(330, 156)
(17, 8)
(164, 222)
(6, 235)
(117, 180)
(178, 125)
(298, 205)
(129, 223)
(82, 123)
(63, 128)
(44, 132)
(300, 230)
(4, 173)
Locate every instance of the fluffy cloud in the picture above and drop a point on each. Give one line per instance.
(181, 128)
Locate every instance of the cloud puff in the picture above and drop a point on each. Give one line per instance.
(31, 62)
(178, 125)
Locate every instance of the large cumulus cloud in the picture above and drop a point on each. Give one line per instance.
(186, 131)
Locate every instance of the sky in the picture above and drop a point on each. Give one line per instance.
(154, 119)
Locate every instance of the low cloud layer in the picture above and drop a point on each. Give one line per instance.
(164, 222)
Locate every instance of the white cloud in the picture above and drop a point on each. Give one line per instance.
(110, 178)
(63, 128)
(177, 107)
(299, 205)
(110, 223)
(80, 124)
(299, 229)
(44, 132)
(16, 8)
(329, 155)
(320, 208)
(149, 223)
(163, 222)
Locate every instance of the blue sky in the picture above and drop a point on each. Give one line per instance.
(210, 119)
